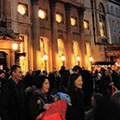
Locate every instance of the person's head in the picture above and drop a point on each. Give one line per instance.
(2, 74)
(75, 81)
(77, 69)
(116, 97)
(16, 73)
(62, 67)
(42, 82)
(95, 98)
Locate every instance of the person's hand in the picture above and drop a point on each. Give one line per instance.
(46, 106)
(111, 83)
(56, 98)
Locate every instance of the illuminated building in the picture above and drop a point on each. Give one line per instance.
(54, 28)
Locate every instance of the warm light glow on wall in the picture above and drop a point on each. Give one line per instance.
(58, 18)
(73, 21)
(101, 29)
(21, 9)
(42, 14)
(14, 46)
(86, 26)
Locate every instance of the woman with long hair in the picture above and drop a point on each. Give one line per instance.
(74, 90)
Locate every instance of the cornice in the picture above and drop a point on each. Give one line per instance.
(114, 1)
(73, 2)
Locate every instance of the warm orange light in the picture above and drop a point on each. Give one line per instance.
(63, 58)
(14, 46)
(45, 57)
(58, 18)
(78, 58)
(85, 24)
(73, 21)
(21, 9)
(42, 14)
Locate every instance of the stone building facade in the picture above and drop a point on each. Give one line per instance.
(37, 36)
(52, 33)
(112, 50)
(101, 36)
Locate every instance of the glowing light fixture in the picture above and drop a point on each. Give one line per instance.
(58, 18)
(45, 57)
(91, 59)
(21, 9)
(42, 14)
(14, 46)
(22, 57)
(63, 57)
(73, 21)
(78, 59)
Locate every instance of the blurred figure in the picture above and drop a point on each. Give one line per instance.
(107, 110)
(28, 79)
(90, 114)
(116, 97)
(2, 79)
(62, 70)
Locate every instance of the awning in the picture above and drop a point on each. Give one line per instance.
(107, 63)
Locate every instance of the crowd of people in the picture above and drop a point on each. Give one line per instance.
(89, 96)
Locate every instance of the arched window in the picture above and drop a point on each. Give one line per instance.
(75, 51)
(61, 51)
(102, 24)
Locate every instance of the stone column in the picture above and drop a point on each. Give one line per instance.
(82, 40)
(54, 34)
(35, 33)
(68, 45)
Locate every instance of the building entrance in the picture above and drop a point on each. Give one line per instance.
(3, 64)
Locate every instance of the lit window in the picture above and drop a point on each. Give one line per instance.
(22, 9)
(58, 18)
(73, 21)
(86, 24)
(42, 14)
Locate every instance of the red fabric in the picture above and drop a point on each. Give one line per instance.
(57, 111)
(113, 89)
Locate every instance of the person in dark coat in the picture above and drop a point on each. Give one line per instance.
(13, 97)
(38, 98)
(74, 90)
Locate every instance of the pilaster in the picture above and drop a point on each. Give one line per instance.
(82, 40)
(35, 33)
(54, 34)
(69, 36)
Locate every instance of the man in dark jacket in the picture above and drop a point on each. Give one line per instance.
(13, 97)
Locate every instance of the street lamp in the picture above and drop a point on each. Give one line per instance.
(45, 57)
(14, 46)
(91, 61)
(78, 59)
(63, 59)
